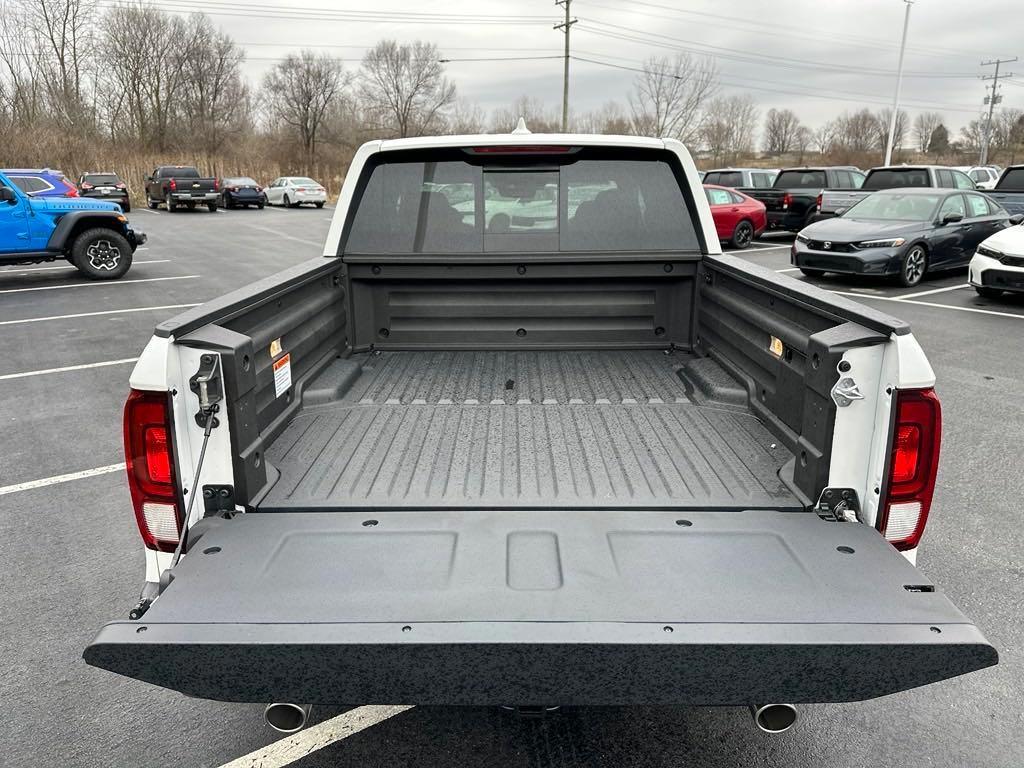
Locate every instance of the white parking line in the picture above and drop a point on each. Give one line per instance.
(148, 210)
(900, 300)
(288, 237)
(98, 283)
(291, 748)
(69, 266)
(82, 367)
(763, 248)
(934, 290)
(96, 314)
(790, 269)
(61, 478)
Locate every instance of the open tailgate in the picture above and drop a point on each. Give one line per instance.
(539, 607)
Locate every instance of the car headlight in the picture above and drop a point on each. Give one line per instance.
(893, 243)
(803, 238)
(992, 253)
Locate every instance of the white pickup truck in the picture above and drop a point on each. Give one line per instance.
(524, 436)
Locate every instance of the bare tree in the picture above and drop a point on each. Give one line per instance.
(610, 118)
(802, 141)
(729, 127)
(857, 131)
(669, 97)
(781, 127)
(24, 93)
(882, 119)
(405, 85)
(65, 31)
(924, 126)
(538, 117)
(215, 98)
(299, 91)
(825, 137)
(938, 143)
(466, 117)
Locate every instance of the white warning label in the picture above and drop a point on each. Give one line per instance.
(282, 375)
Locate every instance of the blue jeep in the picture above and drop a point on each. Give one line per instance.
(93, 235)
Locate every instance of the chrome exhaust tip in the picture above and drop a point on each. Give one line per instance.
(285, 717)
(774, 718)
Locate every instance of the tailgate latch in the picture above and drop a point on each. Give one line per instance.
(839, 505)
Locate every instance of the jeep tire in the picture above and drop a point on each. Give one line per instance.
(101, 254)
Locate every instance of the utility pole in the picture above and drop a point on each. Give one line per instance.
(899, 85)
(565, 26)
(991, 100)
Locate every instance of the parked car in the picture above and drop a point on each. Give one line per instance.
(293, 191)
(181, 185)
(757, 178)
(41, 182)
(984, 176)
(998, 263)
(738, 217)
(585, 474)
(891, 177)
(93, 235)
(903, 232)
(792, 200)
(105, 186)
(1009, 190)
(241, 191)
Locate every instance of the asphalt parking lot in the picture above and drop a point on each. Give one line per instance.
(71, 558)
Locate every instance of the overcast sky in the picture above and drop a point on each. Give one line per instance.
(817, 57)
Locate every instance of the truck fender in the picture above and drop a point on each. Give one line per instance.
(61, 235)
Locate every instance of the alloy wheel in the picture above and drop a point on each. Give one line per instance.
(913, 266)
(103, 255)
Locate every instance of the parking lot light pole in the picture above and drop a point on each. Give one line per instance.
(899, 84)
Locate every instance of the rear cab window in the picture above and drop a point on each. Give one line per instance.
(801, 180)
(457, 202)
(760, 180)
(725, 178)
(1012, 180)
(896, 178)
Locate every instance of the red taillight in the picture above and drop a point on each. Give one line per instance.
(150, 464)
(259, 189)
(86, 185)
(912, 467)
(232, 189)
(72, 192)
(787, 200)
(172, 185)
(216, 185)
(818, 201)
(300, 189)
(120, 185)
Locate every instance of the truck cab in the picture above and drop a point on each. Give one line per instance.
(93, 235)
(524, 435)
(791, 202)
(891, 177)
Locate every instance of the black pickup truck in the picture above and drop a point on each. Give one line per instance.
(181, 185)
(1009, 190)
(792, 201)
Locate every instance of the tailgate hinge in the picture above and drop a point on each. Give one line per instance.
(217, 499)
(839, 505)
(208, 386)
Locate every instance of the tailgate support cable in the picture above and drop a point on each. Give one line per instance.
(207, 385)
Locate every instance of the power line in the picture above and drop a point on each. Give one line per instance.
(673, 43)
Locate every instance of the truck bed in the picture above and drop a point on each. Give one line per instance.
(525, 429)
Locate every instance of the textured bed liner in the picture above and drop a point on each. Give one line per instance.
(503, 429)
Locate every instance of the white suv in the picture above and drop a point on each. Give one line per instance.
(293, 191)
(998, 263)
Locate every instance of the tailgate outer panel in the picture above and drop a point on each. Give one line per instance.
(521, 607)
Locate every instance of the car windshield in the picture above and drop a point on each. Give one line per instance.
(800, 180)
(304, 180)
(240, 181)
(886, 178)
(98, 179)
(895, 207)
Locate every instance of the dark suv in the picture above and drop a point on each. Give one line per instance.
(105, 186)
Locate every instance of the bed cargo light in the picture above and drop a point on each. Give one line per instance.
(912, 467)
(150, 466)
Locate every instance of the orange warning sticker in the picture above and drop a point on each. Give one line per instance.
(282, 375)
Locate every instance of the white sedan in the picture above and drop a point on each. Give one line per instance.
(293, 191)
(998, 263)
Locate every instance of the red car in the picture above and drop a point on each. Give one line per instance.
(738, 218)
